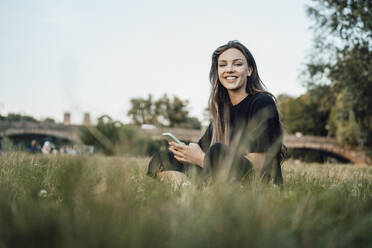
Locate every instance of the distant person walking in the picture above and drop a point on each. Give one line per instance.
(34, 147)
(47, 148)
(245, 133)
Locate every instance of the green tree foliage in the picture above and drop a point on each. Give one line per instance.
(176, 113)
(163, 111)
(113, 138)
(18, 117)
(308, 113)
(104, 136)
(342, 56)
(49, 120)
(142, 111)
(7, 145)
(347, 21)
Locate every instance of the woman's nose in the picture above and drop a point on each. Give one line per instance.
(230, 68)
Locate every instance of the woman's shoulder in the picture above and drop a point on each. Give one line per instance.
(263, 97)
(263, 100)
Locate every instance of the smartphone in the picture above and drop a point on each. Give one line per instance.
(173, 138)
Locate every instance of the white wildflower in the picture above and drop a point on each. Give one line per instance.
(43, 193)
(186, 183)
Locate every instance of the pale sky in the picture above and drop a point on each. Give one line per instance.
(94, 56)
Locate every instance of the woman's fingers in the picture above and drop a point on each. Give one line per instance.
(180, 159)
(179, 151)
(176, 153)
(177, 146)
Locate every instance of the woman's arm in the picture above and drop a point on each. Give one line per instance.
(257, 159)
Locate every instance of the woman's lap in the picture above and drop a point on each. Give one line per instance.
(217, 157)
(164, 161)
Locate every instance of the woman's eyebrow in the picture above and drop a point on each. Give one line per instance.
(222, 60)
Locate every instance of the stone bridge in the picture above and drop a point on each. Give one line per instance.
(70, 132)
(330, 145)
(14, 128)
(326, 144)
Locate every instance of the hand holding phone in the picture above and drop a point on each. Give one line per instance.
(173, 138)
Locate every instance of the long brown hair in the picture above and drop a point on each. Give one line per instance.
(219, 101)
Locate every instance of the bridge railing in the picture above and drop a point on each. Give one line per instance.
(4, 125)
(310, 139)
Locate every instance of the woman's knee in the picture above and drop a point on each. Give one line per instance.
(220, 156)
(242, 167)
(217, 151)
(214, 157)
(217, 148)
(163, 161)
(155, 165)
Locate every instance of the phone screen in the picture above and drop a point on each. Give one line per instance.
(173, 138)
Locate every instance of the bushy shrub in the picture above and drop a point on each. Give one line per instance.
(114, 138)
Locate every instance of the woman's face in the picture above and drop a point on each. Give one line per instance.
(233, 70)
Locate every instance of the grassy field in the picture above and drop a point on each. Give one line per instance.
(63, 201)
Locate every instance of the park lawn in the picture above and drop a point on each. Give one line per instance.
(97, 201)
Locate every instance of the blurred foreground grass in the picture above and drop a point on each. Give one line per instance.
(63, 201)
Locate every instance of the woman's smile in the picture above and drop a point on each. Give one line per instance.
(231, 78)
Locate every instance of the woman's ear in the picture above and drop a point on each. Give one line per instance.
(250, 71)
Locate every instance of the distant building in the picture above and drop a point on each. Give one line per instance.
(67, 118)
(86, 120)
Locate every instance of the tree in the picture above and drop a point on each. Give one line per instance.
(342, 56)
(302, 115)
(142, 111)
(114, 138)
(164, 112)
(349, 22)
(191, 123)
(104, 136)
(19, 117)
(342, 122)
(162, 106)
(308, 113)
(49, 120)
(177, 113)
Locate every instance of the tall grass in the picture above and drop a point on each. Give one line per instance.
(64, 201)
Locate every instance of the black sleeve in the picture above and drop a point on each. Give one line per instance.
(205, 141)
(265, 125)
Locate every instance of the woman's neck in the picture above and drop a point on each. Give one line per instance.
(237, 97)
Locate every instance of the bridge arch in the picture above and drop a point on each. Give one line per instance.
(47, 129)
(329, 145)
(316, 155)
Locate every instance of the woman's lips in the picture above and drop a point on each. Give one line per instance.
(231, 79)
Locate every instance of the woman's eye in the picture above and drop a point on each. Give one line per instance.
(221, 65)
(239, 64)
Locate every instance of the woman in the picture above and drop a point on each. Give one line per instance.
(245, 132)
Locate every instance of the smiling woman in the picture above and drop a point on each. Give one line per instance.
(245, 133)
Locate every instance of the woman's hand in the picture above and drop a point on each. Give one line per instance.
(191, 153)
